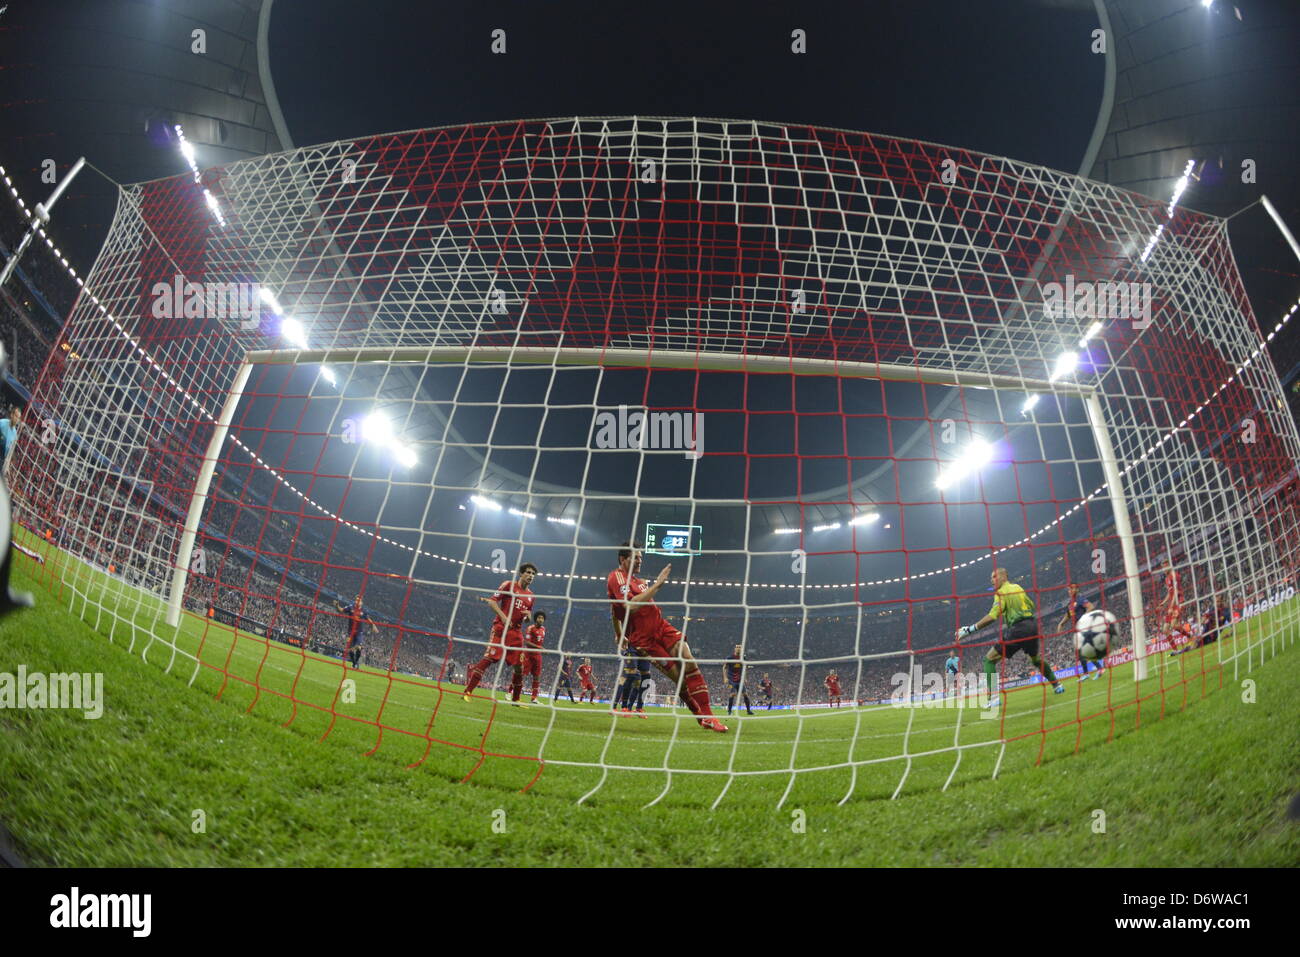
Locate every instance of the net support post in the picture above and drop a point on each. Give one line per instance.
(1119, 506)
(184, 555)
(1286, 233)
(40, 217)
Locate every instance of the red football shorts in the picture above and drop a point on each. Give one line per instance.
(533, 664)
(514, 640)
(656, 643)
(588, 686)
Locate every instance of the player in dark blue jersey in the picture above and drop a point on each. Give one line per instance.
(1219, 616)
(633, 678)
(565, 678)
(356, 617)
(1075, 607)
(629, 679)
(765, 686)
(734, 672)
(642, 682)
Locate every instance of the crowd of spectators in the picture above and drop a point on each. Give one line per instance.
(283, 575)
(428, 628)
(26, 326)
(107, 523)
(26, 343)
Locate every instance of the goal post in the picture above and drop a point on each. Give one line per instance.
(194, 512)
(1123, 530)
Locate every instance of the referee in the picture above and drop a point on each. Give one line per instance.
(1016, 609)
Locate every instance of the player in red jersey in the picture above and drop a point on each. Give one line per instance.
(1171, 608)
(534, 638)
(833, 689)
(643, 625)
(511, 604)
(584, 677)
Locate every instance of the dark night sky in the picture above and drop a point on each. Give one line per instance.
(1013, 78)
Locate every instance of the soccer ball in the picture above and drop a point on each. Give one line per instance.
(1094, 634)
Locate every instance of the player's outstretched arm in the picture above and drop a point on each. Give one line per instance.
(965, 630)
(650, 592)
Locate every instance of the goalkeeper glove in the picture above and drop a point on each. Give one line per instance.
(965, 630)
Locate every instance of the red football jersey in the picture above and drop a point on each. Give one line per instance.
(833, 684)
(535, 635)
(584, 673)
(622, 586)
(517, 603)
(1172, 596)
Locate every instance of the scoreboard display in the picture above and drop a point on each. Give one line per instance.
(673, 539)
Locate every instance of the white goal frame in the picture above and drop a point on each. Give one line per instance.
(674, 359)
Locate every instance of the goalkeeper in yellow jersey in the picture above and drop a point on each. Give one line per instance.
(1016, 609)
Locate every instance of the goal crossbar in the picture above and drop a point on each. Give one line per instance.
(703, 361)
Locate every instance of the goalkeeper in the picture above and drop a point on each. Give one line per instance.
(1016, 609)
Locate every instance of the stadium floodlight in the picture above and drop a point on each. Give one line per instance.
(268, 297)
(1066, 363)
(214, 206)
(1030, 403)
(1091, 334)
(187, 151)
(1181, 185)
(291, 329)
(521, 513)
(973, 458)
(558, 520)
(866, 519)
(786, 531)
(483, 502)
(1207, 3)
(328, 375)
(826, 528)
(375, 427)
(1151, 243)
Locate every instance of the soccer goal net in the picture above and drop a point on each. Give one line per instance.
(314, 408)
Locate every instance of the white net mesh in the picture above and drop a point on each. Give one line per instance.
(448, 340)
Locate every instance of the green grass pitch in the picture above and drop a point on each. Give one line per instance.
(1192, 767)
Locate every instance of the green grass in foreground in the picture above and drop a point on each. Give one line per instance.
(1208, 787)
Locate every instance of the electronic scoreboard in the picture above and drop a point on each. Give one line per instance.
(673, 539)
